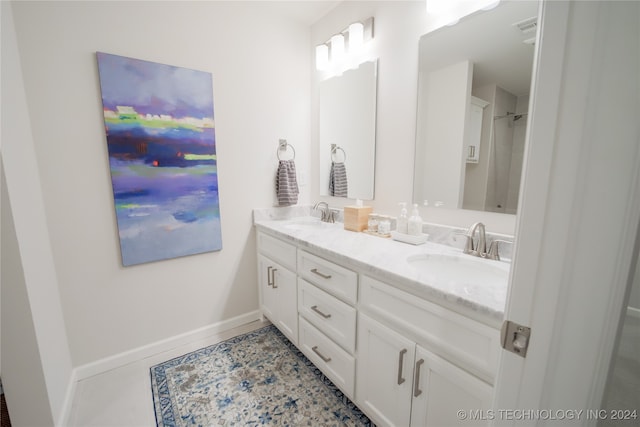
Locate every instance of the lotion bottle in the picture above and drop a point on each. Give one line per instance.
(415, 222)
(403, 220)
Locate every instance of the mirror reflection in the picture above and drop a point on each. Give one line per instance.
(473, 97)
(347, 126)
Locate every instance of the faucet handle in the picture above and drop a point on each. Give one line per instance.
(468, 246)
(493, 249)
(331, 215)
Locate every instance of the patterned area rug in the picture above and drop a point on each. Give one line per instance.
(259, 378)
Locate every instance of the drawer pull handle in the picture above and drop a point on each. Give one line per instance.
(315, 308)
(273, 277)
(315, 350)
(400, 364)
(416, 381)
(269, 279)
(324, 276)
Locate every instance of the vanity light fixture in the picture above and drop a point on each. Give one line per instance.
(345, 47)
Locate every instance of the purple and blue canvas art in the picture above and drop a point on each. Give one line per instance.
(162, 154)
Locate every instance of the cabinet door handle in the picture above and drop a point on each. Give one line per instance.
(325, 358)
(273, 277)
(315, 308)
(400, 364)
(269, 283)
(416, 380)
(324, 276)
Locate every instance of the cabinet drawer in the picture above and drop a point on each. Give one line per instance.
(333, 361)
(336, 280)
(277, 250)
(334, 318)
(471, 345)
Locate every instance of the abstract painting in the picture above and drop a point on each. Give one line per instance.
(162, 155)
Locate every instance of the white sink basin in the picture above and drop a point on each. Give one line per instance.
(461, 268)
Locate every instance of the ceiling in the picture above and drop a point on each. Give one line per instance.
(304, 11)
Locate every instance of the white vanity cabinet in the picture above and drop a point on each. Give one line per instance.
(277, 284)
(404, 360)
(418, 363)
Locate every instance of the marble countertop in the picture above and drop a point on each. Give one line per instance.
(386, 260)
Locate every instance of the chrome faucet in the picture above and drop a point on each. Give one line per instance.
(326, 214)
(480, 248)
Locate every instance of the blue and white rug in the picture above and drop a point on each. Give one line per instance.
(259, 378)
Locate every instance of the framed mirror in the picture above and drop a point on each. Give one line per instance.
(473, 97)
(347, 126)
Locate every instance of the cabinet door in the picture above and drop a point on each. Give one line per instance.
(268, 298)
(286, 293)
(279, 296)
(384, 373)
(442, 389)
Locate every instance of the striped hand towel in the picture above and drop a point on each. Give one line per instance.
(338, 180)
(286, 183)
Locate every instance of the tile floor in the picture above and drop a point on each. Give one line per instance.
(122, 396)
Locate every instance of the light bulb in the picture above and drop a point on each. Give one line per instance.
(322, 57)
(337, 47)
(356, 36)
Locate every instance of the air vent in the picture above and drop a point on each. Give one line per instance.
(528, 25)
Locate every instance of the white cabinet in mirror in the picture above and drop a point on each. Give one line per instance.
(347, 133)
(466, 160)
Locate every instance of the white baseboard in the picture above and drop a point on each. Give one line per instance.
(130, 356)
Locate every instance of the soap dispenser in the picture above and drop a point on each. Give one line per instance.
(403, 220)
(415, 222)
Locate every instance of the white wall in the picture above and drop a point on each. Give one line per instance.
(36, 362)
(23, 380)
(260, 66)
(446, 102)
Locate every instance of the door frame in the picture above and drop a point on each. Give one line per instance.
(579, 209)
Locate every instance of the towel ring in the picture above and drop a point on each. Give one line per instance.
(334, 149)
(282, 145)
